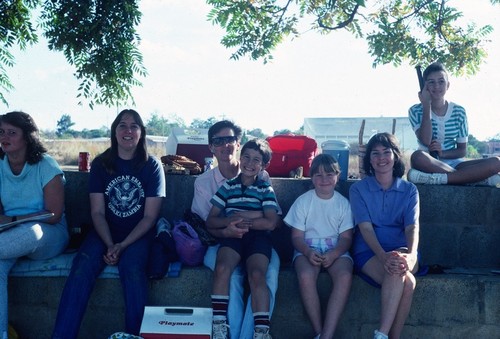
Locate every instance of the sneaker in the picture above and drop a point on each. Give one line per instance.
(479, 183)
(261, 333)
(379, 335)
(163, 226)
(418, 177)
(494, 181)
(220, 329)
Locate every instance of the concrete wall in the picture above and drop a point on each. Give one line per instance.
(460, 227)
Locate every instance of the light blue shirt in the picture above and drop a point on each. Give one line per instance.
(23, 194)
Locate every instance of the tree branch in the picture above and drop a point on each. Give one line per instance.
(339, 25)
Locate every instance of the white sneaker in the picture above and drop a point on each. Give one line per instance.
(261, 333)
(220, 329)
(494, 181)
(419, 177)
(479, 183)
(379, 335)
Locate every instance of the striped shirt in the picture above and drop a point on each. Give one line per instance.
(233, 196)
(450, 129)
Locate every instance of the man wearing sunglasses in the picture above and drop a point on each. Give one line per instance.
(224, 143)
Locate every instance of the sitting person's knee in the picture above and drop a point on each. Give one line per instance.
(221, 269)
(416, 157)
(257, 276)
(410, 281)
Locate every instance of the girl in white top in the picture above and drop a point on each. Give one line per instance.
(322, 229)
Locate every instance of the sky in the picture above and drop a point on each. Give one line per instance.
(191, 75)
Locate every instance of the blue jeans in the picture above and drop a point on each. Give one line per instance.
(240, 319)
(87, 266)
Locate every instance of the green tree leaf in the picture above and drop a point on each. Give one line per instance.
(15, 28)
(416, 31)
(98, 37)
(159, 125)
(64, 125)
(203, 123)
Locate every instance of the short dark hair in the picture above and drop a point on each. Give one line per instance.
(434, 67)
(220, 125)
(390, 141)
(261, 146)
(329, 163)
(35, 149)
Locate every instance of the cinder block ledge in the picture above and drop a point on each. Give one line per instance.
(460, 230)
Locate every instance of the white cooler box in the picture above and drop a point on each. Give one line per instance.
(190, 142)
(162, 322)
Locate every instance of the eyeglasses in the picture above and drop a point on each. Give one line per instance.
(221, 141)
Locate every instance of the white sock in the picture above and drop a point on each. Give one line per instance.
(380, 334)
(443, 178)
(219, 318)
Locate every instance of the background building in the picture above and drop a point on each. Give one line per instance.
(348, 129)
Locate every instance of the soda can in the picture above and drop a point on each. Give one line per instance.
(84, 161)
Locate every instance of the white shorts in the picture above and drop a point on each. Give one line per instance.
(321, 245)
(453, 162)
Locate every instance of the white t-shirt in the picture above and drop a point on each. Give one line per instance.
(320, 218)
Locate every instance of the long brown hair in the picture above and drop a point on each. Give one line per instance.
(111, 154)
(24, 121)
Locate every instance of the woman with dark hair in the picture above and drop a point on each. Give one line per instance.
(386, 211)
(126, 188)
(390, 142)
(31, 184)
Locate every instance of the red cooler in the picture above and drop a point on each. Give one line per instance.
(290, 152)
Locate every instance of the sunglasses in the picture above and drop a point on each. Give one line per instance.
(220, 141)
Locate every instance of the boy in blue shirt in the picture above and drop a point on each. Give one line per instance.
(251, 203)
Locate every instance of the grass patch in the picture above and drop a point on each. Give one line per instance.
(65, 151)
